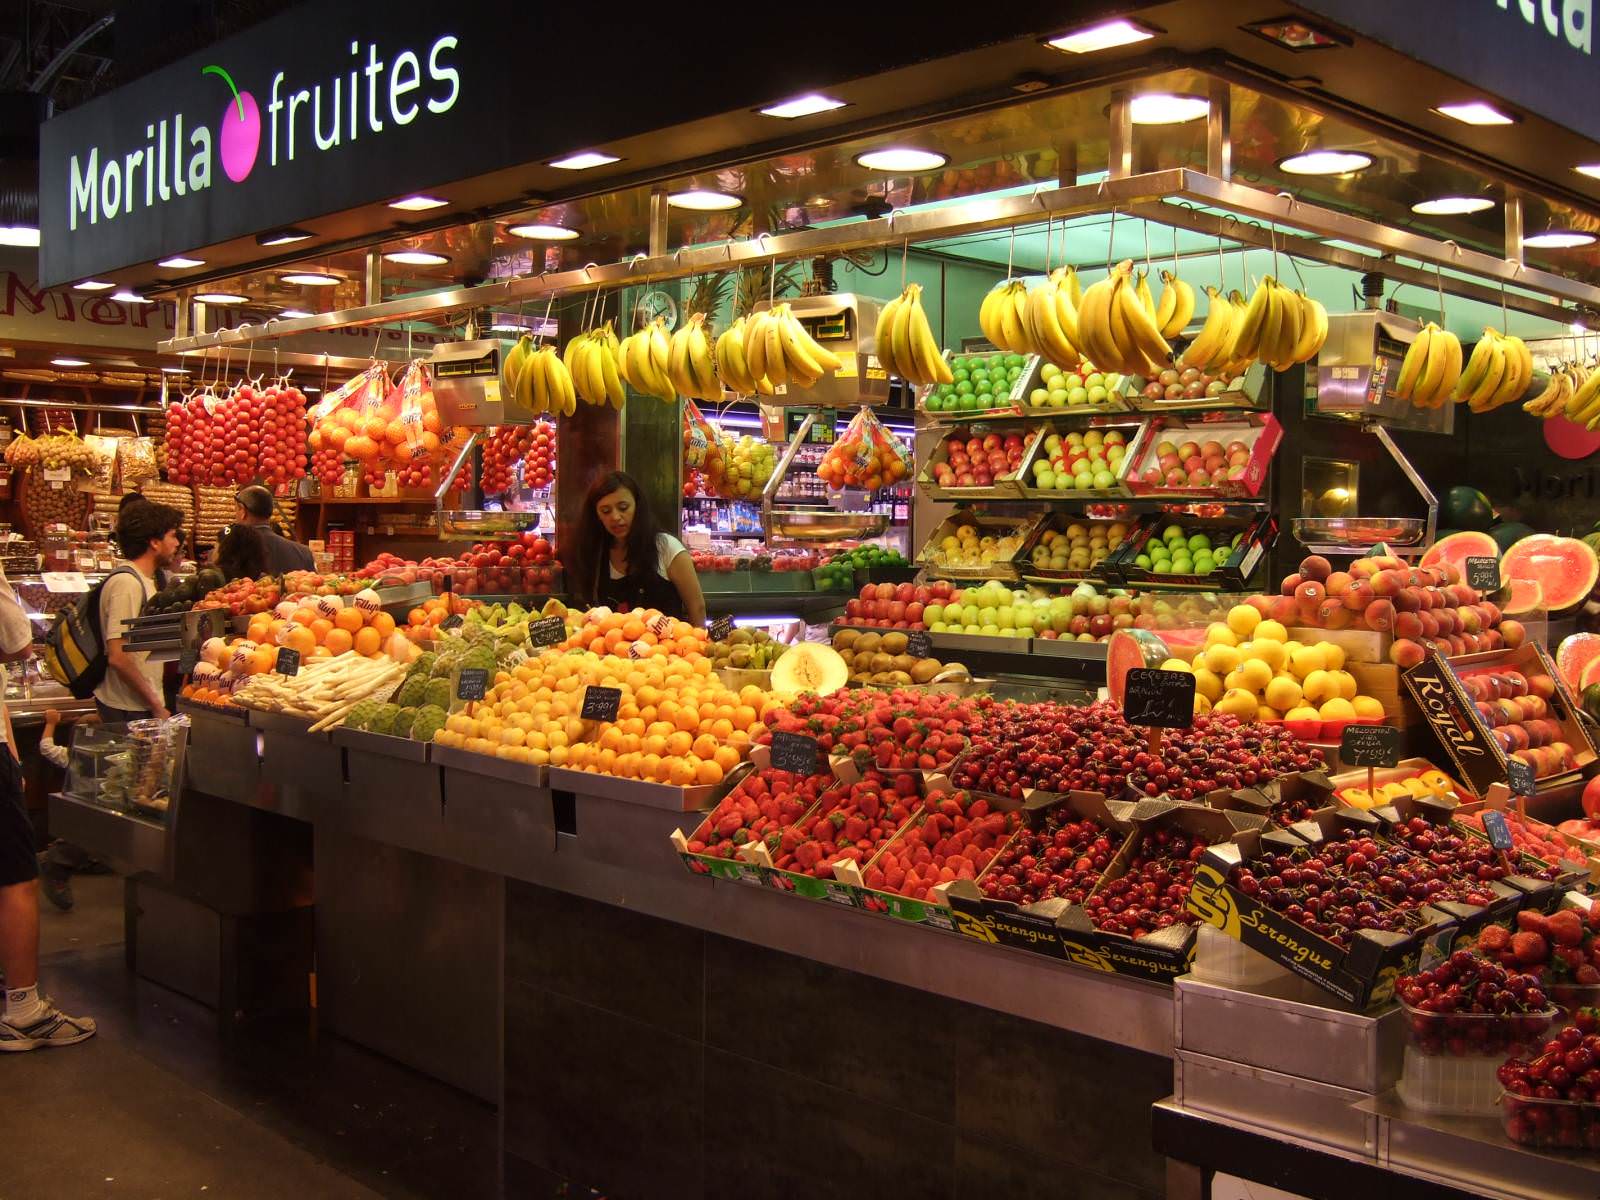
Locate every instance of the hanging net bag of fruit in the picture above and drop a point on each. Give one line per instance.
(866, 456)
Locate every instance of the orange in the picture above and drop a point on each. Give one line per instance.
(320, 627)
(727, 757)
(721, 728)
(264, 659)
(300, 639)
(707, 771)
(338, 641)
(633, 629)
(383, 623)
(679, 744)
(705, 746)
(349, 619)
(743, 717)
(682, 774)
(375, 428)
(338, 436)
(417, 616)
(322, 652)
(394, 432)
(367, 642)
(687, 719)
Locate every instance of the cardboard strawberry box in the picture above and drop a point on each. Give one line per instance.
(752, 809)
(1219, 455)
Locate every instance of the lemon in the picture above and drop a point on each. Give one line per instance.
(1338, 710)
(1283, 693)
(1272, 631)
(1308, 660)
(1221, 659)
(1243, 619)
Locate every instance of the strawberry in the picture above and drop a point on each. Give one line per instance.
(1494, 938)
(1529, 948)
(1565, 928)
(1530, 921)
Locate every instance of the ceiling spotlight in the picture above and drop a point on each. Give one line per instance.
(281, 237)
(310, 279)
(92, 285)
(583, 161)
(1103, 36)
(69, 362)
(1475, 112)
(418, 203)
(1326, 162)
(18, 235)
(543, 233)
(128, 296)
(901, 159)
(1452, 206)
(179, 263)
(221, 298)
(416, 258)
(1592, 170)
(803, 106)
(289, 314)
(705, 201)
(1558, 239)
(1294, 34)
(174, 370)
(1163, 108)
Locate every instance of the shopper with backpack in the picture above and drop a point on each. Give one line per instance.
(149, 538)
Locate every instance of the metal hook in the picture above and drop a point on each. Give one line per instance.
(905, 262)
(1011, 252)
(1111, 239)
(1438, 283)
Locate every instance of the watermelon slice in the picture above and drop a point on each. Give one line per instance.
(1456, 548)
(1575, 655)
(1591, 674)
(1527, 596)
(1565, 568)
(1130, 648)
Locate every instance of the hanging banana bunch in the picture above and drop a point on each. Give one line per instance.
(511, 367)
(1116, 330)
(906, 345)
(1564, 381)
(591, 359)
(642, 360)
(1431, 368)
(1176, 308)
(1052, 320)
(779, 351)
(1500, 370)
(1584, 406)
(689, 361)
(543, 384)
(1215, 336)
(1003, 317)
(1279, 327)
(732, 366)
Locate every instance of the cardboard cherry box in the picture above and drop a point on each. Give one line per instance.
(1465, 724)
(1247, 442)
(1280, 801)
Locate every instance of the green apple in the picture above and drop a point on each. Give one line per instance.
(932, 613)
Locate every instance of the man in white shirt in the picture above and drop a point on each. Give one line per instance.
(148, 536)
(28, 1020)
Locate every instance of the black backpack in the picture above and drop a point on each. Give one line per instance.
(75, 648)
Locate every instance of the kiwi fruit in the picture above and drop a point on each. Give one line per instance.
(924, 671)
(868, 643)
(845, 639)
(898, 679)
(882, 662)
(903, 662)
(894, 643)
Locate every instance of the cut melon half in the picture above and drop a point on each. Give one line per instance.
(1456, 548)
(1125, 650)
(1575, 655)
(809, 667)
(1591, 674)
(1527, 596)
(1564, 568)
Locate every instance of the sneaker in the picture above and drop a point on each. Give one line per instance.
(56, 882)
(53, 1028)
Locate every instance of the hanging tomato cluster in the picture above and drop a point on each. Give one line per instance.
(251, 434)
(534, 446)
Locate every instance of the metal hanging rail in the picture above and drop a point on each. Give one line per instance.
(1142, 194)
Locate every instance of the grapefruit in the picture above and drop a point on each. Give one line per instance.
(1576, 653)
(1565, 568)
(1456, 548)
(1526, 596)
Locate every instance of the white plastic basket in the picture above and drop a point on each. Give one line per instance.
(1225, 962)
(1450, 1085)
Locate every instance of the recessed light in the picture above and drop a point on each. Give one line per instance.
(221, 298)
(310, 279)
(18, 235)
(290, 314)
(1558, 239)
(1326, 162)
(1294, 34)
(174, 370)
(1103, 36)
(902, 158)
(803, 106)
(179, 263)
(583, 161)
(701, 200)
(1475, 112)
(1164, 108)
(1452, 206)
(69, 362)
(418, 203)
(92, 285)
(125, 296)
(281, 237)
(416, 258)
(1592, 170)
(310, 390)
(543, 233)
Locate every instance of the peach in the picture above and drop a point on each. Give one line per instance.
(1333, 615)
(1337, 582)
(1291, 583)
(1380, 615)
(1364, 568)
(1542, 686)
(1358, 596)
(1513, 634)
(1309, 594)
(1406, 654)
(1316, 567)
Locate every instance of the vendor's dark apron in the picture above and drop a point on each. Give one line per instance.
(652, 591)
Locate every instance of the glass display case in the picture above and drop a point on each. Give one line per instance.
(134, 768)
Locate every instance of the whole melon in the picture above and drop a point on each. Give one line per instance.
(1509, 533)
(1466, 507)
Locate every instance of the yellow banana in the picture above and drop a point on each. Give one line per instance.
(1044, 319)
(755, 345)
(1442, 370)
(1411, 366)
(731, 365)
(989, 314)
(1492, 378)
(510, 367)
(1146, 300)
(1477, 367)
(1094, 331)
(884, 337)
(1247, 333)
(1141, 325)
(678, 363)
(1521, 374)
(1177, 305)
(925, 353)
(1313, 328)
(1074, 288)
(1272, 327)
(772, 338)
(1213, 336)
(609, 360)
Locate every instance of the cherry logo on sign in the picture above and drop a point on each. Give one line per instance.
(239, 135)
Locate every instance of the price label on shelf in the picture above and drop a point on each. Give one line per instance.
(453, 621)
(60, 582)
(1494, 824)
(795, 752)
(600, 703)
(1159, 699)
(288, 661)
(547, 631)
(472, 683)
(919, 643)
(1519, 776)
(1369, 746)
(721, 628)
(1483, 573)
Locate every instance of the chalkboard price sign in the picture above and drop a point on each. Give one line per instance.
(721, 628)
(1494, 824)
(1519, 776)
(453, 621)
(1483, 573)
(919, 644)
(600, 703)
(472, 683)
(1369, 746)
(288, 661)
(795, 752)
(1159, 699)
(547, 631)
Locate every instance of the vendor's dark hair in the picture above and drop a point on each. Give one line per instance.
(140, 524)
(241, 554)
(592, 555)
